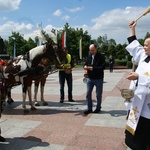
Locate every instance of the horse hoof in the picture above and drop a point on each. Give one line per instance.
(33, 108)
(12, 100)
(26, 111)
(45, 104)
(36, 104)
(9, 101)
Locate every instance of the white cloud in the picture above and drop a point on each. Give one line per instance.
(73, 10)
(66, 17)
(9, 5)
(114, 23)
(48, 28)
(9, 27)
(57, 13)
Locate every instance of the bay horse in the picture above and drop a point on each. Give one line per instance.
(24, 61)
(30, 69)
(30, 66)
(41, 80)
(61, 59)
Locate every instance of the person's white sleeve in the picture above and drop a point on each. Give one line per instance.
(136, 50)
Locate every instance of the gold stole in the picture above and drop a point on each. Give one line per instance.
(135, 112)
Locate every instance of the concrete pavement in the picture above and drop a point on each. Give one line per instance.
(62, 126)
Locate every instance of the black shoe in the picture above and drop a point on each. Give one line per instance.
(96, 111)
(71, 100)
(2, 139)
(61, 100)
(87, 112)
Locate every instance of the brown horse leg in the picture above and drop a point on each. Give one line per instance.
(24, 94)
(27, 82)
(24, 91)
(10, 100)
(30, 98)
(43, 81)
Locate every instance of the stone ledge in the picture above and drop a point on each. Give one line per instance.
(119, 67)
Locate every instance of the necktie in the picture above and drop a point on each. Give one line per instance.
(92, 59)
(147, 59)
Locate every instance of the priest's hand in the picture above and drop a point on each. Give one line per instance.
(132, 76)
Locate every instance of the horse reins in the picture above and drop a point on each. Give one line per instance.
(58, 59)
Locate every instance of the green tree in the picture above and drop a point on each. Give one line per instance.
(104, 49)
(73, 37)
(112, 50)
(147, 35)
(29, 45)
(17, 39)
(111, 42)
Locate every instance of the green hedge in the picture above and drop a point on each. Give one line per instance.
(129, 64)
(121, 63)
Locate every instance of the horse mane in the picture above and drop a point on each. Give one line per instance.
(36, 60)
(49, 53)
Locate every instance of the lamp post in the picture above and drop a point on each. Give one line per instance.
(14, 47)
(40, 28)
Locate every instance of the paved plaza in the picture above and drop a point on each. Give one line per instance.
(62, 126)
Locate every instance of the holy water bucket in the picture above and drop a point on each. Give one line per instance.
(126, 93)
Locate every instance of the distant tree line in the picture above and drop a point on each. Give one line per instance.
(106, 46)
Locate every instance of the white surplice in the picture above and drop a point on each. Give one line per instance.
(140, 105)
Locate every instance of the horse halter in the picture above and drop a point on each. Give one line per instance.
(51, 48)
(58, 58)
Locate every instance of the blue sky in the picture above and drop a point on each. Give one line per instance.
(98, 17)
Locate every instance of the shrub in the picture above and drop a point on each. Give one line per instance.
(129, 64)
(120, 62)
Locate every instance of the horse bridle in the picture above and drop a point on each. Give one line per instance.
(58, 58)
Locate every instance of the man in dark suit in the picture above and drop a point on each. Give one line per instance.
(95, 66)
